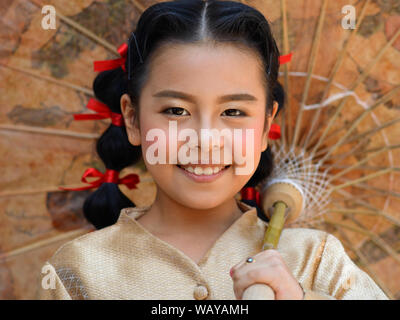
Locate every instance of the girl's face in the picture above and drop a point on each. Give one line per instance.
(189, 86)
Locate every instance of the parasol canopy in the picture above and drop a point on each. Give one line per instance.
(340, 128)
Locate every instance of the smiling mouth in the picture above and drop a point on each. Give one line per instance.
(203, 170)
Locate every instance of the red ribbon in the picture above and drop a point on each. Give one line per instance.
(103, 112)
(104, 65)
(110, 176)
(286, 58)
(274, 132)
(250, 193)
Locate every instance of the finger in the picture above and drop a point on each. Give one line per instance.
(267, 256)
(253, 276)
(244, 262)
(268, 270)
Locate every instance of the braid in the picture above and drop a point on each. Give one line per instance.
(103, 206)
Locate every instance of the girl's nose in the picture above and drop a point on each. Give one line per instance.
(213, 139)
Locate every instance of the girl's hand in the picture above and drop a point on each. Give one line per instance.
(268, 267)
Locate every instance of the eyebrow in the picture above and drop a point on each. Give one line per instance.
(190, 98)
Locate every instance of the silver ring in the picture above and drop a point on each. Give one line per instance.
(250, 260)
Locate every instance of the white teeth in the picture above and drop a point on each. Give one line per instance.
(200, 171)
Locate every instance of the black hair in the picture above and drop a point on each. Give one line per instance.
(103, 206)
(179, 21)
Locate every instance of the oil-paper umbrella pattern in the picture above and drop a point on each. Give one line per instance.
(340, 128)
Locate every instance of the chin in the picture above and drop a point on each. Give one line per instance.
(201, 202)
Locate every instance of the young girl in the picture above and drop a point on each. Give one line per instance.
(201, 65)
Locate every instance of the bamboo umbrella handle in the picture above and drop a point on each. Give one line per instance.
(261, 291)
(280, 196)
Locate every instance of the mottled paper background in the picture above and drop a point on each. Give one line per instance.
(36, 218)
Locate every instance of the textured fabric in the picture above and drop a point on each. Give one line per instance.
(126, 261)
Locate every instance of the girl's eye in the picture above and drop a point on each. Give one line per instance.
(176, 111)
(233, 113)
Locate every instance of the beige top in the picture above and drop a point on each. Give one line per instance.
(126, 261)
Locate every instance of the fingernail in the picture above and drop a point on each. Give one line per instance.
(231, 272)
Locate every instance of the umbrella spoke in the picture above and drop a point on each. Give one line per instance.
(310, 70)
(138, 5)
(334, 71)
(358, 164)
(55, 188)
(341, 157)
(47, 131)
(362, 137)
(285, 40)
(363, 262)
(357, 120)
(360, 79)
(382, 192)
(374, 130)
(366, 178)
(89, 34)
(50, 79)
(41, 243)
(378, 241)
(380, 213)
(372, 168)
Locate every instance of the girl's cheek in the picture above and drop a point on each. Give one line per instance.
(249, 144)
(160, 143)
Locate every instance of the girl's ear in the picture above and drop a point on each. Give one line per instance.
(267, 127)
(131, 120)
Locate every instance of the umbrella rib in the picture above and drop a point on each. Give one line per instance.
(310, 69)
(362, 136)
(45, 242)
(358, 119)
(50, 79)
(350, 125)
(380, 213)
(355, 137)
(56, 132)
(285, 40)
(357, 164)
(365, 178)
(367, 205)
(374, 130)
(53, 189)
(377, 240)
(361, 78)
(364, 263)
(138, 5)
(396, 146)
(86, 31)
(378, 190)
(335, 70)
(374, 168)
(341, 156)
(361, 153)
(89, 34)
(359, 202)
